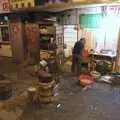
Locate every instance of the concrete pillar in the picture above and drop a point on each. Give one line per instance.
(32, 40)
(17, 40)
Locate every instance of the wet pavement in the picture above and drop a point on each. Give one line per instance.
(101, 102)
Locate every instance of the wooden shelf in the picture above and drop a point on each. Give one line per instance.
(50, 8)
(64, 6)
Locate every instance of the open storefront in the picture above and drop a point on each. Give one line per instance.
(5, 46)
(100, 26)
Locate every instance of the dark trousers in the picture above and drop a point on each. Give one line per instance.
(76, 64)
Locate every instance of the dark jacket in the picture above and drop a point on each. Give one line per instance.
(78, 48)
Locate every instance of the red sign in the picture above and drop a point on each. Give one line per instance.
(15, 29)
(4, 6)
(114, 9)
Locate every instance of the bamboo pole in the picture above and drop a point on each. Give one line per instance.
(117, 65)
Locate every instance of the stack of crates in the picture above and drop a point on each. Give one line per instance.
(22, 4)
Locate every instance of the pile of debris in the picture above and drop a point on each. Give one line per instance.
(113, 79)
(87, 79)
(47, 88)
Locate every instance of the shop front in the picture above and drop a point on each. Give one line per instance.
(5, 46)
(100, 26)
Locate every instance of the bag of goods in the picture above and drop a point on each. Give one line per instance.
(106, 79)
(95, 74)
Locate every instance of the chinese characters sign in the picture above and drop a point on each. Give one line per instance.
(4, 6)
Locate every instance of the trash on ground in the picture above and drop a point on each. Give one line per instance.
(106, 79)
(116, 78)
(115, 75)
(95, 74)
(43, 63)
(58, 105)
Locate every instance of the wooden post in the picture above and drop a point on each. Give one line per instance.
(117, 66)
(32, 39)
(16, 37)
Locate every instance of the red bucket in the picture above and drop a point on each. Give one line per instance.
(86, 80)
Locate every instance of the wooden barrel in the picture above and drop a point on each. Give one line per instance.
(31, 93)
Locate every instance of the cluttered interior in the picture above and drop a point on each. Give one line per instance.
(49, 44)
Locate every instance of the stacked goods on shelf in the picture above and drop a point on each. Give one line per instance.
(47, 55)
(4, 30)
(47, 41)
(6, 50)
(44, 55)
(5, 33)
(21, 4)
(47, 30)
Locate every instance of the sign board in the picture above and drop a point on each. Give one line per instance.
(21, 3)
(114, 10)
(90, 20)
(4, 6)
(70, 35)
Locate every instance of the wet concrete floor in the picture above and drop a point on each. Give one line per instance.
(101, 102)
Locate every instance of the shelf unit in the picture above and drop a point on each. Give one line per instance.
(46, 33)
(4, 30)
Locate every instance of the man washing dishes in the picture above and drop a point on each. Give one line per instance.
(77, 55)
